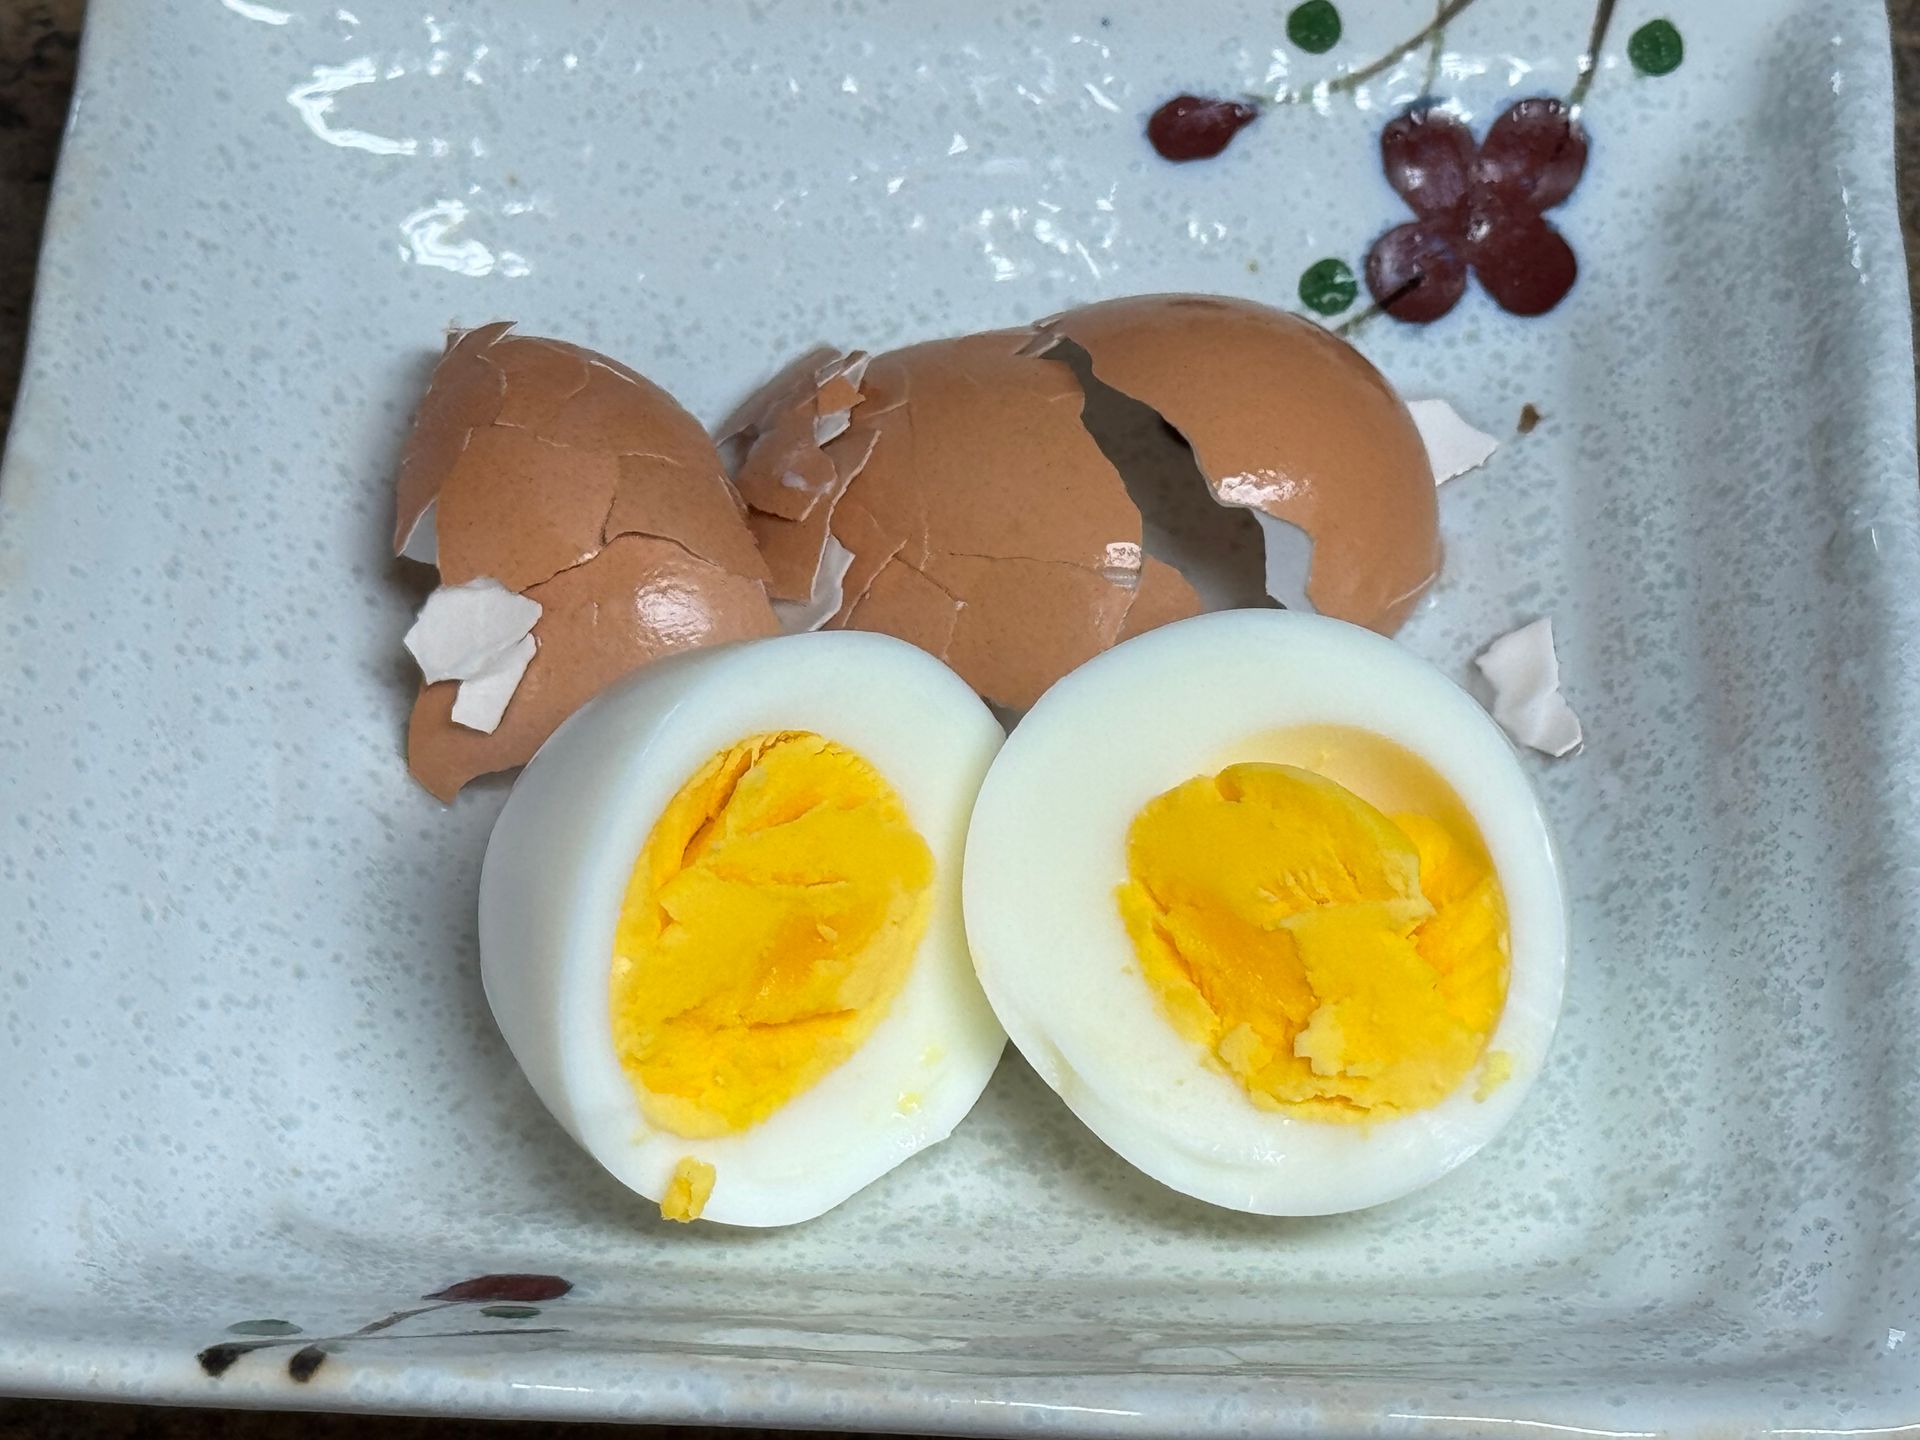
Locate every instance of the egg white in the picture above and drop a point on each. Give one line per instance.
(564, 847)
(1047, 851)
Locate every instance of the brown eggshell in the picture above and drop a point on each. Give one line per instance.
(839, 389)
(792, 548)
(640, 598)
(520, 437)
(984, 486)
(653, 496)
(785, 473)
(520, 509)
(623, 416)
(1162, 597)
(903, 602)
(888, 491)
(465, 392)
(1285, 417)
(873, 547)
(1026, 622)
(541, 377)
(572, 479)
(607, 362)
(987, 456)
(794, 379)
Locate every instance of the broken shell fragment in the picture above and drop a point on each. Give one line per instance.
(563, 478)
(482, 697)
(462, 629)
(977, 463)
(1287, 419)
(639, 599)
(983, 522)
(1453, 446)
(783, 425)
(1014, 502)
(1524, 673)
(476, 634)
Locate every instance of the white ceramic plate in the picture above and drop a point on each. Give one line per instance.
(246, 1073)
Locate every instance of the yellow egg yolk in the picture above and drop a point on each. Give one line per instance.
(687, 1191)
(770, 920)
(1340, 964)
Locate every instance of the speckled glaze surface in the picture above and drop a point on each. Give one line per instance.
(247, 1071)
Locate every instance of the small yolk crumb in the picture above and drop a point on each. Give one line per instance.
(1495, 1071)
(1340, 964)
(769, 921)
(687, 1191)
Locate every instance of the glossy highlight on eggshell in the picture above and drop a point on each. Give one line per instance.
(569, 478)
(966, 495)
(978, 513)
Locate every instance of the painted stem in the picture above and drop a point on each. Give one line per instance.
(1354, 78)
(1590, 61)
(1434, 49)
(397, 1316)
(451, 1334)
(1354, 322)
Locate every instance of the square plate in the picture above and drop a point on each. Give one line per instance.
(248, 1075)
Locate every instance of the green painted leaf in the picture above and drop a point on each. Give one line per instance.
(263, 1327)
(1314, 26)
(1656, 48)
(1327, 286)
(510, 1312)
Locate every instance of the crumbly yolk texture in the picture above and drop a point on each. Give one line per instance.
(1341, 964)
(687, 1191)
(769, 922)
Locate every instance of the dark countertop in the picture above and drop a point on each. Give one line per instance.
(38, 43)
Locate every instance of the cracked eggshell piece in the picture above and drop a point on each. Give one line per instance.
(462, 630)
(561, 856)
(790, 480)
(482, 697)
(783, 426)
(795, 551)
(534, 453)
(985, 524)
(980, 451)
(639, 599)
(1524, 672)
(463, 395)
(571, 479)
(1287, 419)
(1453, 446)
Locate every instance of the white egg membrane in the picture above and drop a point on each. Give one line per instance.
(557, 868)
(1047, 851)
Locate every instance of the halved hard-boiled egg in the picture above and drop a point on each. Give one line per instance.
(1271, 904)
(720, 922)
